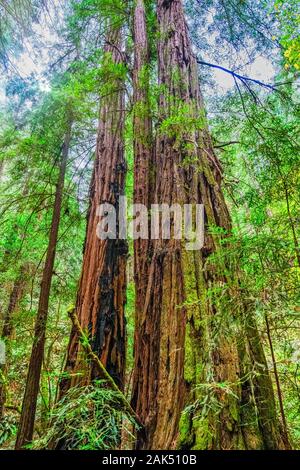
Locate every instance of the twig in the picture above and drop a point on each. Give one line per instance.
(221, 145)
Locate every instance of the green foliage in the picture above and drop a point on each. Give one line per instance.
(183, 119)
(288, 15)
(261, 182)
(8, 429)
(15, 24)
(262, 186)
(87, 418)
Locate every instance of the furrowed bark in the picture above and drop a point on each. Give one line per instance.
(142, 395)
(102, 290)
(177, 183)
(26, 425)
(193, 326)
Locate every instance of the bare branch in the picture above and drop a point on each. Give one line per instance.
(242, 78)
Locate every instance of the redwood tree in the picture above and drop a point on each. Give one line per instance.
(102, 289)
(142, 394)
(194, 357)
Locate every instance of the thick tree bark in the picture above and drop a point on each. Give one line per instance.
(188, 305)
(142, 395)
(26, 425)
(102, 291)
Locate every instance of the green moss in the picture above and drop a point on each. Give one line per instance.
(203, 434)
(185, 431)
(189, 364)
(233, 409)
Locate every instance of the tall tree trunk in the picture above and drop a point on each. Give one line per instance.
(102, 291)
(285, 432)
(26, 425)
(194, 356)
(272, 435)
(142, 395)
(14, 300)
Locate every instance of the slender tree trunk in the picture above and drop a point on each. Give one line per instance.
(142, 394)
(102, 291)
(26, 425)
(14, 300)
(278, 387)
(271, 435)
(194, 356)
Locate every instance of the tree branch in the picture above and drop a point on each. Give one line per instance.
(224, 144)
(242, 78)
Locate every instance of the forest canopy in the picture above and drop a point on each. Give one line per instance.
(181, 117)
